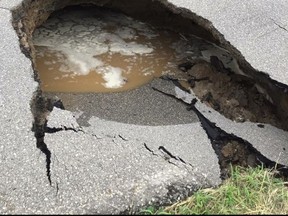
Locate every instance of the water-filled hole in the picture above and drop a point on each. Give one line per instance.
(91, 49)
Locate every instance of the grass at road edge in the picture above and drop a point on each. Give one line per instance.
(248, 191)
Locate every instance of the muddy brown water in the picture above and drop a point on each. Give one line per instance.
(101, 51)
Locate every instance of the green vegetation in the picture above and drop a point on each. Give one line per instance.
(248, 191)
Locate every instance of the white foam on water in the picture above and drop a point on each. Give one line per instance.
(126, 32)
(113, 77)
(80, 38)
(81, 64)
(131, 48)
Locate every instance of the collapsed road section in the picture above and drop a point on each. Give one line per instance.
(102, 159)
(229, 148)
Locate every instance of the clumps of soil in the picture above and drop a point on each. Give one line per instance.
(234, 152)
(233, 95)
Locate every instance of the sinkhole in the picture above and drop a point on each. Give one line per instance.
(104, 57)
(83, 49)
(94, 49)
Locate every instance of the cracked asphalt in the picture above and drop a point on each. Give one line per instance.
(108, 163)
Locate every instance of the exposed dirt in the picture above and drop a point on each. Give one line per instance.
(235, 153)
(233, 95)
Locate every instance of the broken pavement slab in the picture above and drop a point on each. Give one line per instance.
(120, 166)
(270, 141)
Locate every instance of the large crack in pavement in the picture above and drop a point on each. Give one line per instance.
(222, 137)
(41, 107)
(166, 155)
(219, 139)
